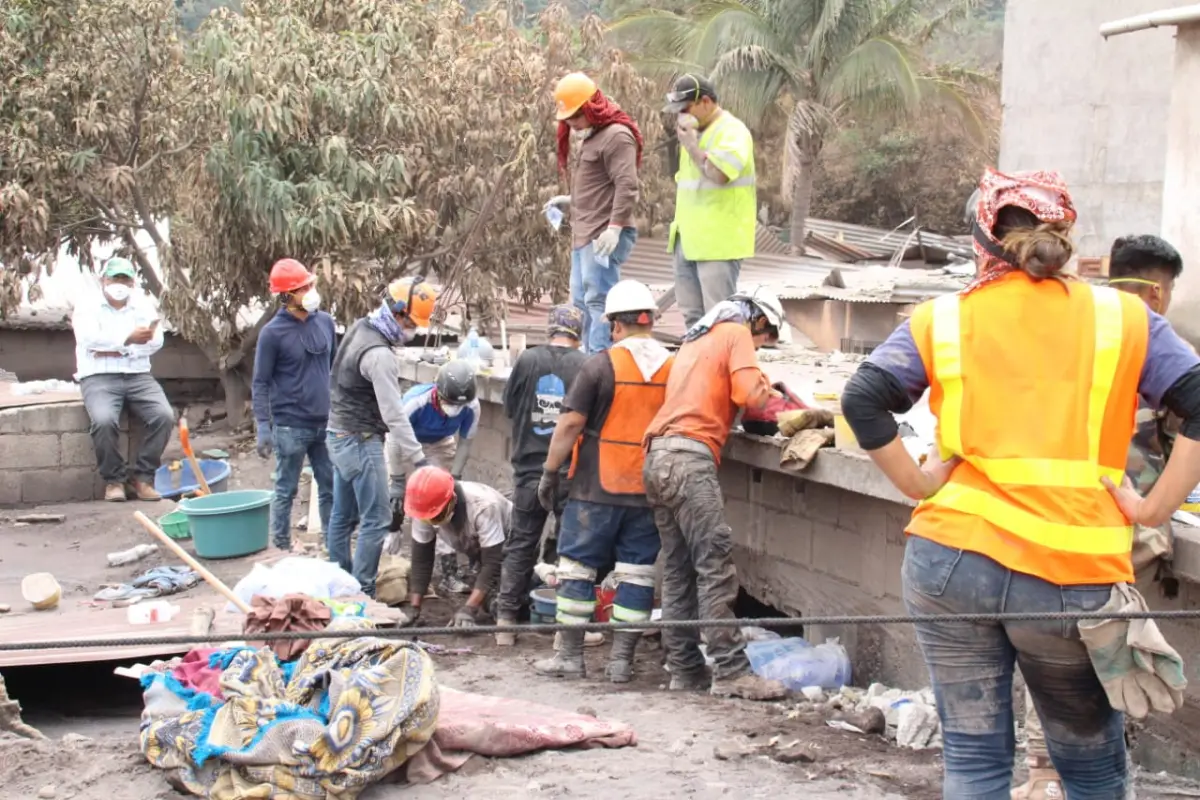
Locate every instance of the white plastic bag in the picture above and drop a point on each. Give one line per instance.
(296, 575)
(797, 664)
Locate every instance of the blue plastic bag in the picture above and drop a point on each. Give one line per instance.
(797, 664)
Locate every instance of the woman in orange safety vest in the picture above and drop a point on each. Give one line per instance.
(1034, 378)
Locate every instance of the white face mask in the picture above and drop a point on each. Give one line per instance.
(451, 411)
(579, 134)
(688, 121)
(118, 292)
(311, 301)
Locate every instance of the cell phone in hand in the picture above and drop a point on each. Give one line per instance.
(153, 324)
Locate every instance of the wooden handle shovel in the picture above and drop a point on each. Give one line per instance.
(186, 441)
(209, 578)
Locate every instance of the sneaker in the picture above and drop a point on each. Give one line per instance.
(748, 687)
(114, 493)
(140, 490)
(1043, 784)
(694, 681)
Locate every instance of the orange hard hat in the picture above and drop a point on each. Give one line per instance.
(288, 275)
(571, 93)
(428, 491)
(412, 297)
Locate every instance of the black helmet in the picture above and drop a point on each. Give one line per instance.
(456, 382)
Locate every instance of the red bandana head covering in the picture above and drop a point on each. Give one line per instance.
(1043, 193)
(600, 112)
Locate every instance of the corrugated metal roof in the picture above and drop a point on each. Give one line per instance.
(883, 244)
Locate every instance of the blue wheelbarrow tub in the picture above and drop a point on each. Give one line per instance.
(214, 471)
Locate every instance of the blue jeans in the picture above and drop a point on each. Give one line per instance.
(360, 490)
(700, 285)
(598, 534)
(291, 447)
(590, 283)
(971, 667)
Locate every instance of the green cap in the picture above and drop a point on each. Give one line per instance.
(118, 267)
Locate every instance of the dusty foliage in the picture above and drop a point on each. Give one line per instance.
(368, 139)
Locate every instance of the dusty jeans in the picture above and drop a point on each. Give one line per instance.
(104, 397)
(700, 285)
(360, 491)
(971, 666)
(292, 445)
(521, 546)
(699, 579)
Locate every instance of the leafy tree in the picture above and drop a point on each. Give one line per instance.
(822, 63)
(367, 139)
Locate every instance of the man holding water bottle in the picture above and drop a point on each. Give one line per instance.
(604, 192)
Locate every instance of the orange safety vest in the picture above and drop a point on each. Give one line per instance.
(635, 403)
(1035, 388)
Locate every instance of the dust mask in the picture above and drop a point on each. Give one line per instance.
(450, 410)
(688, 121)
(311, 301)
(118, 291)
(580, 134)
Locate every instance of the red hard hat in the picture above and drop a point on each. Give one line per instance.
(428, 492)
(288, 275)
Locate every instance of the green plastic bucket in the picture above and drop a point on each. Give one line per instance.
(229, 524)
(175, 525)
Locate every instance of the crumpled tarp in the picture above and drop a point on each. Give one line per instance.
(340, 719)
(292, 612)
(470, 724)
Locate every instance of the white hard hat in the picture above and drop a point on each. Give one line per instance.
(765, 301)
(629, 295)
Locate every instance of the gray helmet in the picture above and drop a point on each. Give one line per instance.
(456, 382)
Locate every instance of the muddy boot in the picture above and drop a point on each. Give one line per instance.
(693, 681)
(1043, 783)
(450, 582)
(620, 659)
(590, 639)
(748, 686)
(115, 493)
(505, 638)
(568, 661)
(140, 490)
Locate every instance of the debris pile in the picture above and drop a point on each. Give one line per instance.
(908, 718)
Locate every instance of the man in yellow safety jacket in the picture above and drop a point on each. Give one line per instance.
(715, 201)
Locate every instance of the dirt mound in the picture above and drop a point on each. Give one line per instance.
(78, 767)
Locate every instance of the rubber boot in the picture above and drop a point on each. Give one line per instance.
(695, 681)
(590, 639)
(451, 583)
(620, 659)
(506, 638)
(1043, 784)
(568, 661)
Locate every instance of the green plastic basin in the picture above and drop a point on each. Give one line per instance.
(229, 524)
(175, 525)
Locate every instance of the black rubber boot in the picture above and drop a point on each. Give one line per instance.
(620, 659)
(568, 661)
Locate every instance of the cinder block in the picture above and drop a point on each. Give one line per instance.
(788, 537)
(10, 487)
(742, 517)
(776, 490)
(55, 418)
(10, 420)
(821, 502)
(735, 480)
(58, 486)
(77, 450)
(862, 514)
(837, 552)
(893, 570)
(29, 451)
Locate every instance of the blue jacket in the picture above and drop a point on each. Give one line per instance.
(291, 371)
(430, 424)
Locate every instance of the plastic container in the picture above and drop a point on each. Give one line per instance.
(604, 604)
(843, 436)
(151, 611)
(175, 525)
(230, 524)
(1192, 503)
(216, 472)
(797, 664)
(545, 601)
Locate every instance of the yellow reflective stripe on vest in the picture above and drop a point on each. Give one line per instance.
(1063, 473)
(1111, 541)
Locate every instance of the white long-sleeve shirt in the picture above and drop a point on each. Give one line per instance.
(100, 327)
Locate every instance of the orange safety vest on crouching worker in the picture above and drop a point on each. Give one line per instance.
(635, 403)
(1035, 388)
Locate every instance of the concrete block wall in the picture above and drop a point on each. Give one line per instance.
(46, 455)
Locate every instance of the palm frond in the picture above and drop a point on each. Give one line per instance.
(750, 80)
(879, 68)
(839, 27)
(950, 98)
(956, 12)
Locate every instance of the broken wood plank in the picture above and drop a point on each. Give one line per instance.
(36, 519)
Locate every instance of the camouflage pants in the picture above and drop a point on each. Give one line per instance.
(699, 579)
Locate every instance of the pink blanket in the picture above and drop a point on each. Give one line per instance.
(470, 724)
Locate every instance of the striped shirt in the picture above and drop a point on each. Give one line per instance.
(102, 328)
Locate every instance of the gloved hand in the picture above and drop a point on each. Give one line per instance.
(264, 446)
(548, 489)
(465, 617)
(606, 242)
(1133, 661)
(558, 201)
(411, 618)
(396, 501)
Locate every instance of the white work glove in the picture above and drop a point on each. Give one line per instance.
(1136, 666)
(606, 242)
(559, 201)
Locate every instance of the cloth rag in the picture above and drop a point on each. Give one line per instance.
(194, 671)
(802, 448)
(156, 582)
(292, 612)
(1139, 670)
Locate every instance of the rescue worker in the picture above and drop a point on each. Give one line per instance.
(1145, 266)
(533, 400)
(607, 519)
(365, 405)
(716, 373)
(472, 518)
(290, 391)
(1034, 379)
(716, 199)
(445, 417)
(604, 194)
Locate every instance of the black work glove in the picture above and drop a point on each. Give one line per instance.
(396, 501)
(422, 462)
(548, 489)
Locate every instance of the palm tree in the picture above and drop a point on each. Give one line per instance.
(823, 63)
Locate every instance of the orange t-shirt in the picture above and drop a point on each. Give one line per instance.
(712, 377)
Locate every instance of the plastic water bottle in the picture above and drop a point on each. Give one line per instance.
(469, 350)
(151, 612)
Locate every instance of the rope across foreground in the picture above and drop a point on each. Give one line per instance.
(446, 630)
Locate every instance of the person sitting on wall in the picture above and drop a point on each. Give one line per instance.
(115, 336)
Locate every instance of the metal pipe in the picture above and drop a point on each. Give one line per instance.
(1171, 16)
